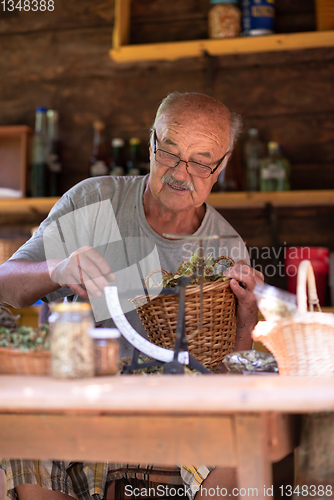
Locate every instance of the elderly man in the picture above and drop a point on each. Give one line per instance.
(89, 239)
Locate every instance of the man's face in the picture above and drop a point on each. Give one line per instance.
(193, 137)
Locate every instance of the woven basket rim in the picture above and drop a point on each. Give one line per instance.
(190, 289)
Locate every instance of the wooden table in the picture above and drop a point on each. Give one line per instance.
(227, 420)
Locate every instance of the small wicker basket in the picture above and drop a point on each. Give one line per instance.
(304, 343)
(17, 362)
(217, 336)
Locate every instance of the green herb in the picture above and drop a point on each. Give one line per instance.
(26, 338)
(187, 268)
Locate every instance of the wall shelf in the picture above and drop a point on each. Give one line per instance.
(42, 206)
(122, 52)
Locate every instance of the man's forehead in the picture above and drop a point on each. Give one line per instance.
(169, 126)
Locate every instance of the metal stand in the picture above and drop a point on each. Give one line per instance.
(181, 344)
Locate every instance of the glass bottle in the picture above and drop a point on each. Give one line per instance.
(98, 160)
(133, 164)
(72, 348)
(254, 152)
(39, 155)
(54, 165)
(274, 170)
(117, 166)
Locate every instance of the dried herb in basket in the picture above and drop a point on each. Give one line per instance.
(25, 338)
(210, 270)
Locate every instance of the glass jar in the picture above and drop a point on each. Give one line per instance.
(106, 348)
(224, 19)
(72, 349)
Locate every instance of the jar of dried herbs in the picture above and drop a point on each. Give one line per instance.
(72, 348)
(224, 19)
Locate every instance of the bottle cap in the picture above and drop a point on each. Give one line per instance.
(272, 145)
(134, 141)
(213, 2)
(40, 109)
(104, 333)
(253, 132)
(98, 125)
(52, 113)
(117, 142)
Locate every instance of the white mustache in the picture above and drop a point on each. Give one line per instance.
(171, 181)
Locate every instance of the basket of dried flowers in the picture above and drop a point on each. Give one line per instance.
(216, 338)
(23, 350)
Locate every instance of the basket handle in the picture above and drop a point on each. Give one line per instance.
(151, 274)
(223, 257)
(306, 277)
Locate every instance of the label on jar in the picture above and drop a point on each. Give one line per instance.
(258, 17)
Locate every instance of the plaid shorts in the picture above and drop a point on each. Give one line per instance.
(87, 480)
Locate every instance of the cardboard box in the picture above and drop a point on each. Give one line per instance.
(14, 157)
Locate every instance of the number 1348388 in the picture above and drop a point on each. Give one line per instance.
(27, 5)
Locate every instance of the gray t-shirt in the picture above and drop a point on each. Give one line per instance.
(107, 213)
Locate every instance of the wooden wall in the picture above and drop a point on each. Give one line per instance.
(60, 60)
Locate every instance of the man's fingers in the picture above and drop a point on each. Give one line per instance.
(78, 290)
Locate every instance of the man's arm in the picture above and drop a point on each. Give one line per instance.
(243, 281)
(23, 283)
(84, 271)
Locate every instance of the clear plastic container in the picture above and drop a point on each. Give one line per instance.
(106, 349)
(224, 19)
(275, 304)
(72, 349)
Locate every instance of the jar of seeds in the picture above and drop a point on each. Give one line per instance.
(72, 349)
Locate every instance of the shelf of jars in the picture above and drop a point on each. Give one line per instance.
(248, 200)
(123, 52)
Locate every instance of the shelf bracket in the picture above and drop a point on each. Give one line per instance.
(210, 72)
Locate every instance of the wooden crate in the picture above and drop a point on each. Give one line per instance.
(14, 152)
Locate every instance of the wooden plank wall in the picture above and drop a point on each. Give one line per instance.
(60, 60)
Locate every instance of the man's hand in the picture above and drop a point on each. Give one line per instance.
(243, 281)
(85, 270)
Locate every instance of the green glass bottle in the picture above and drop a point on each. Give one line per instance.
(274, 170)
(117, 164)
(133, 164)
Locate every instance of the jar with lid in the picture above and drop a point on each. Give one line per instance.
(106, 349)
(224, 19)
(258, 17)
(72, 349)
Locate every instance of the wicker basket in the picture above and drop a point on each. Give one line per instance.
(217, 336)
(303, 344)
(16, 362)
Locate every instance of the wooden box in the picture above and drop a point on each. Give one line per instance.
(14, 153)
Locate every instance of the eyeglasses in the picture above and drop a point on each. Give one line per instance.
(172, 161)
